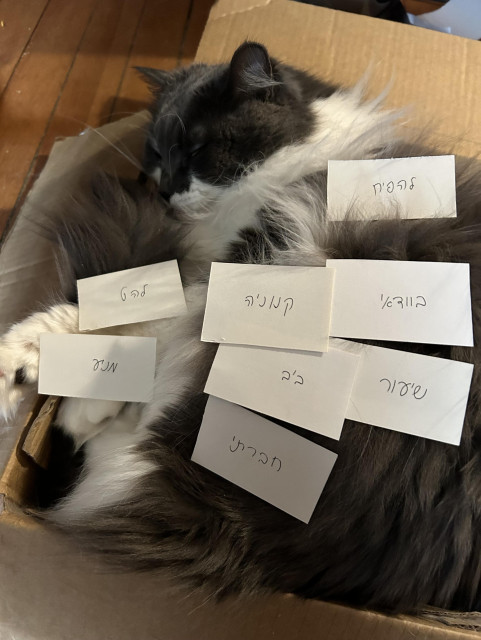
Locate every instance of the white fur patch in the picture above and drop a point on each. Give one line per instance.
(20, 349)
(84, 418)
(198, 199)
(212, 228)
(112, 468)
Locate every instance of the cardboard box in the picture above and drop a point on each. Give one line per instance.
(434, 73)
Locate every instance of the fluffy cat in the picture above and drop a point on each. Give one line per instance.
(240, 152)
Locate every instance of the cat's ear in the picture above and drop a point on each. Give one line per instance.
(157, 79)
(251, 72)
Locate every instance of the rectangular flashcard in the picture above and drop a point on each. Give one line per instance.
(102, 367)
(133, 295)
(266, 460)
(269, 305)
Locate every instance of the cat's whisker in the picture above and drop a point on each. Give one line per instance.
(181, 122)
(126, 155)
(122, 113)
(209, 598)
(170, 150)
(170, 115)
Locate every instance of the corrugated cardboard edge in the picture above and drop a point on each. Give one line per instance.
(17, 480)
(36, 444)
(233, 7)
(299, 619)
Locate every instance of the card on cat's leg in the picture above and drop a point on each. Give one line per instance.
(20, 351)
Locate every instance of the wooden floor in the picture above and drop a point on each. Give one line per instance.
(65, 64)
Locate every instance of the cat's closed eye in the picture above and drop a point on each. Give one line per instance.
(196, 149)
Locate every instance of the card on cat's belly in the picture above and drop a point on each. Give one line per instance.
(266, 460)
(99, 367)
(269, 306)
(310, 390)
(411, 188)
(412, 393)
(427, 302)
(134, 295)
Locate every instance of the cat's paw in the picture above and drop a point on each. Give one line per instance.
(84, 418)
(19, 358)
(20, 351)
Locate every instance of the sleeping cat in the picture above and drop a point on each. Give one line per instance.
(239, 155)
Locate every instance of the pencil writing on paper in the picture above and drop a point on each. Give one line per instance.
(262, 457)
(296, 377)
(403, 302)
(261, 301)
(134, 293)
(390, 186)
(99, 365)
(404, 388)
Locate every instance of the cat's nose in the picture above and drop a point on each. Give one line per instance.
(166, 186)
(170, 184)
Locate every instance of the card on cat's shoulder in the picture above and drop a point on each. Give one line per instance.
(426, 302)
(95, 366)
(423, 187)
(133, 295)
(263, 458)
(412, 393)
(269, 306)
(310, 390)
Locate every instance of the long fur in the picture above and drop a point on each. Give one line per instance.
(398, 523)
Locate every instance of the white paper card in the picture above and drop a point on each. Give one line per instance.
(411, 393)
(102, 367)
(268, 305)
(427, 302)
(418, 187)
(133, 295)
(310, 390)
(269, 461)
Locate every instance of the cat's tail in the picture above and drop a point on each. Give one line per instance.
(114, 225)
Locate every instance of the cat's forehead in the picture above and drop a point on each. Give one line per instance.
(178, 100)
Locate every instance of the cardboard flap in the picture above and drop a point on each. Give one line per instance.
(18, 475)
(423, 69)
(71, 164)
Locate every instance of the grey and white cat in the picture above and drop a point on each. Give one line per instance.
(240, 152)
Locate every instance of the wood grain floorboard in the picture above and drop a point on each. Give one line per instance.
(157, 44)
(96, 73)
(116, 63)
(17, 24)
(30, 98)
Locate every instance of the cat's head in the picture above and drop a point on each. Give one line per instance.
(210, 123)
